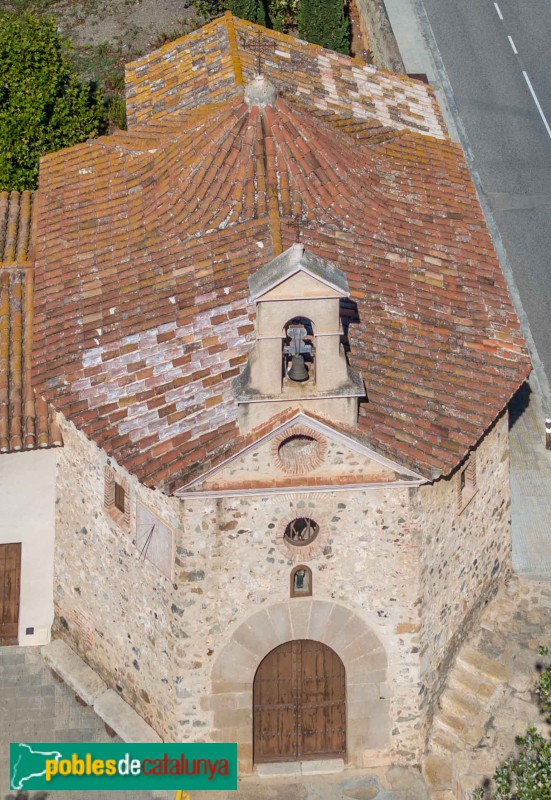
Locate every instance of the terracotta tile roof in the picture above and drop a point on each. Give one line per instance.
(15, 227)
(26, 421)
(145, 243)
(213, 63)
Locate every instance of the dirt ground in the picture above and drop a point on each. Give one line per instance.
(106, 34)
(100, 22)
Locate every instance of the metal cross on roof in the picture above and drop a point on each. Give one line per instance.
(297, 222)
(260, 47)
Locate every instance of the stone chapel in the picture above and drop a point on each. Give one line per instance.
(267, 339)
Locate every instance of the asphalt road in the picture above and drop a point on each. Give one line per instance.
(510, 141)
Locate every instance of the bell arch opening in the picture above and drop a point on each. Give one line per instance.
(299, 357)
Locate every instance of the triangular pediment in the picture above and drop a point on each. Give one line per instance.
(297, 273)
(301, 285)
(302, 453)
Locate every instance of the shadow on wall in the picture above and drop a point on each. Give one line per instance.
(519, 403)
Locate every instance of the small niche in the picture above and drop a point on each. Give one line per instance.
(301, 581)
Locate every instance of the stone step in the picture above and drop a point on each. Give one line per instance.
(81, 678)
(473, 684)
(437, 771)
(469, 783)
(465, 680)
(452, 725)
(471, 660)
(122, 719)
(443, 741)
(442, 794)
(459, 704)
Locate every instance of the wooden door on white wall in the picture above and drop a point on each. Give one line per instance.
(10, 591)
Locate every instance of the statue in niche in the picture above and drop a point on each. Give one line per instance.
(301, 582)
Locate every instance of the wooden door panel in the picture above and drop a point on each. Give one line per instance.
(10, 590)
(299, 703)
(275, 734)
(274, 697)
(273, 683)
(323, 702)
(323, 731)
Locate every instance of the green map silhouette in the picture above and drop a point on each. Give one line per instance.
(28, 763)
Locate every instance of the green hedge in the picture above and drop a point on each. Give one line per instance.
(325, 22)
(43, 106)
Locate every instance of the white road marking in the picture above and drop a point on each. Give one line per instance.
(537, 102)
(500, 15)
(515, 51)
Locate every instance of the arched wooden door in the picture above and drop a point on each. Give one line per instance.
(299, 704)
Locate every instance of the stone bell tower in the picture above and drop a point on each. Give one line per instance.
(298, 360)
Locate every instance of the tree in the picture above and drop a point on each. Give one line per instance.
(325, 22)
(526, 775)
(43, 106)
(282, 14)
(253, 10)
(209, 9)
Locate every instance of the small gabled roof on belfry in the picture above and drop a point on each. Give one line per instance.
(296, 259)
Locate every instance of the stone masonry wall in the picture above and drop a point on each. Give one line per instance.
(366, 560)
(112, 605)
(378, 31)
(400, 559)
(464, 557)
(156, 642)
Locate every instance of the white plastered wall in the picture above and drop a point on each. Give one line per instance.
(27, 515)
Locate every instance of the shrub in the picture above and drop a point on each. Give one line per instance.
(116, 112)
(43, 106)
(283, 14)
(253, 10)
(325, 22)
(209, 9)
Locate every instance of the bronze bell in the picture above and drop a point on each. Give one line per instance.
(298, 371)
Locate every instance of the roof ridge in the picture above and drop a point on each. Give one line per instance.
(269, 156)
(234, 49)
(334, 54)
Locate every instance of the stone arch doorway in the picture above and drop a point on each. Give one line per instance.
(340, 628)
(299, 704)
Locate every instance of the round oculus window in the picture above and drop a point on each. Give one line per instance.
(300, 453)
(301, 531)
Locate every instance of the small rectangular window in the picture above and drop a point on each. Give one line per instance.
(116, 498)
(119, 497)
